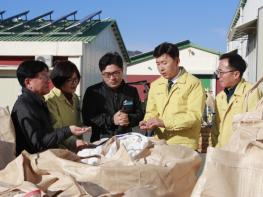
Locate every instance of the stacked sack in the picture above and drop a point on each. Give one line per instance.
(204, 139)
(207, 123)
(157, 169)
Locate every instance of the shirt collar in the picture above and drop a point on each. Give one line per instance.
(180, 78)
(177, 76)
(230, 90)
(236, 90)
(240, 88)
(58, 93)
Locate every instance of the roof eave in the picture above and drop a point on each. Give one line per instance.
(181, 45)
(120, 41)
(242, 4)
(243, 30)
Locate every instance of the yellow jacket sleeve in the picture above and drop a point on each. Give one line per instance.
(151, 108)
(215, 128)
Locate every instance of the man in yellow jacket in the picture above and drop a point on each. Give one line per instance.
(230, 101)
(175, 101)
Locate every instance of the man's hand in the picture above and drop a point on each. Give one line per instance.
(121, 118)
(143, 125)
(124, 119)
(154, 123)
(79, 130)
(80, 143)
(151, 124)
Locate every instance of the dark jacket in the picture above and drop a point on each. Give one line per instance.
(33, 127)
(100, 103)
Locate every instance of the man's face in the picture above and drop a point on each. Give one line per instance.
(112, 75)
(39, 84)
(167, 66)
(227, 76)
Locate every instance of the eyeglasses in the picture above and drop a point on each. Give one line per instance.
(113, 74)
(42, 77)
(73, 80)
(220, 72)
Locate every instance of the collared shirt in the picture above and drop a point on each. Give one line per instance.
(177, 76)
(229, 92)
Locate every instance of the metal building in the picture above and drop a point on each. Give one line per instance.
(81, 41)
(246, 36)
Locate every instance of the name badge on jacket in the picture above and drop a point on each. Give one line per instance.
(127, 106)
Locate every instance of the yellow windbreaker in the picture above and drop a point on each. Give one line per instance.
(225, 111)
(63, 114)
(181, 110)
(61, 111)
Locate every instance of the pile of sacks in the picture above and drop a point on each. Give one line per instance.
(128, 165)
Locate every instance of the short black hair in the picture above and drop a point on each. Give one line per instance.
(29, 69)
(166, 48)
(110, 58)
(235, 61)
(62, 71)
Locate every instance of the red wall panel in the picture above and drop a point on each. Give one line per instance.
(13, 61)
(140, 88)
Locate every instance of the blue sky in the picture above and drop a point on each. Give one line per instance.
(143, 23)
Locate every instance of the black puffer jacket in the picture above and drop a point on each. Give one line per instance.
(100, 103)
(34, 132)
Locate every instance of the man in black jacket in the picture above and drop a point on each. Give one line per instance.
(30, 115)
(112, 106)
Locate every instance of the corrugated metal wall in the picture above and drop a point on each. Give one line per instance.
(260, 46)
(103, 43)
(251, 58)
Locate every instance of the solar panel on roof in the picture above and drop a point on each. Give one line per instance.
(16, 16)
(58, 20)
(1, 13)
(83, 20)
(41, 16)
(33, 19)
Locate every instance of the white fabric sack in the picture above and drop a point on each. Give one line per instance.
(134, 143)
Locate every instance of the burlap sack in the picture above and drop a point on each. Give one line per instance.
(247, 127)
(7, 138)
(230, 174)
(237, 168)
(59, 172)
